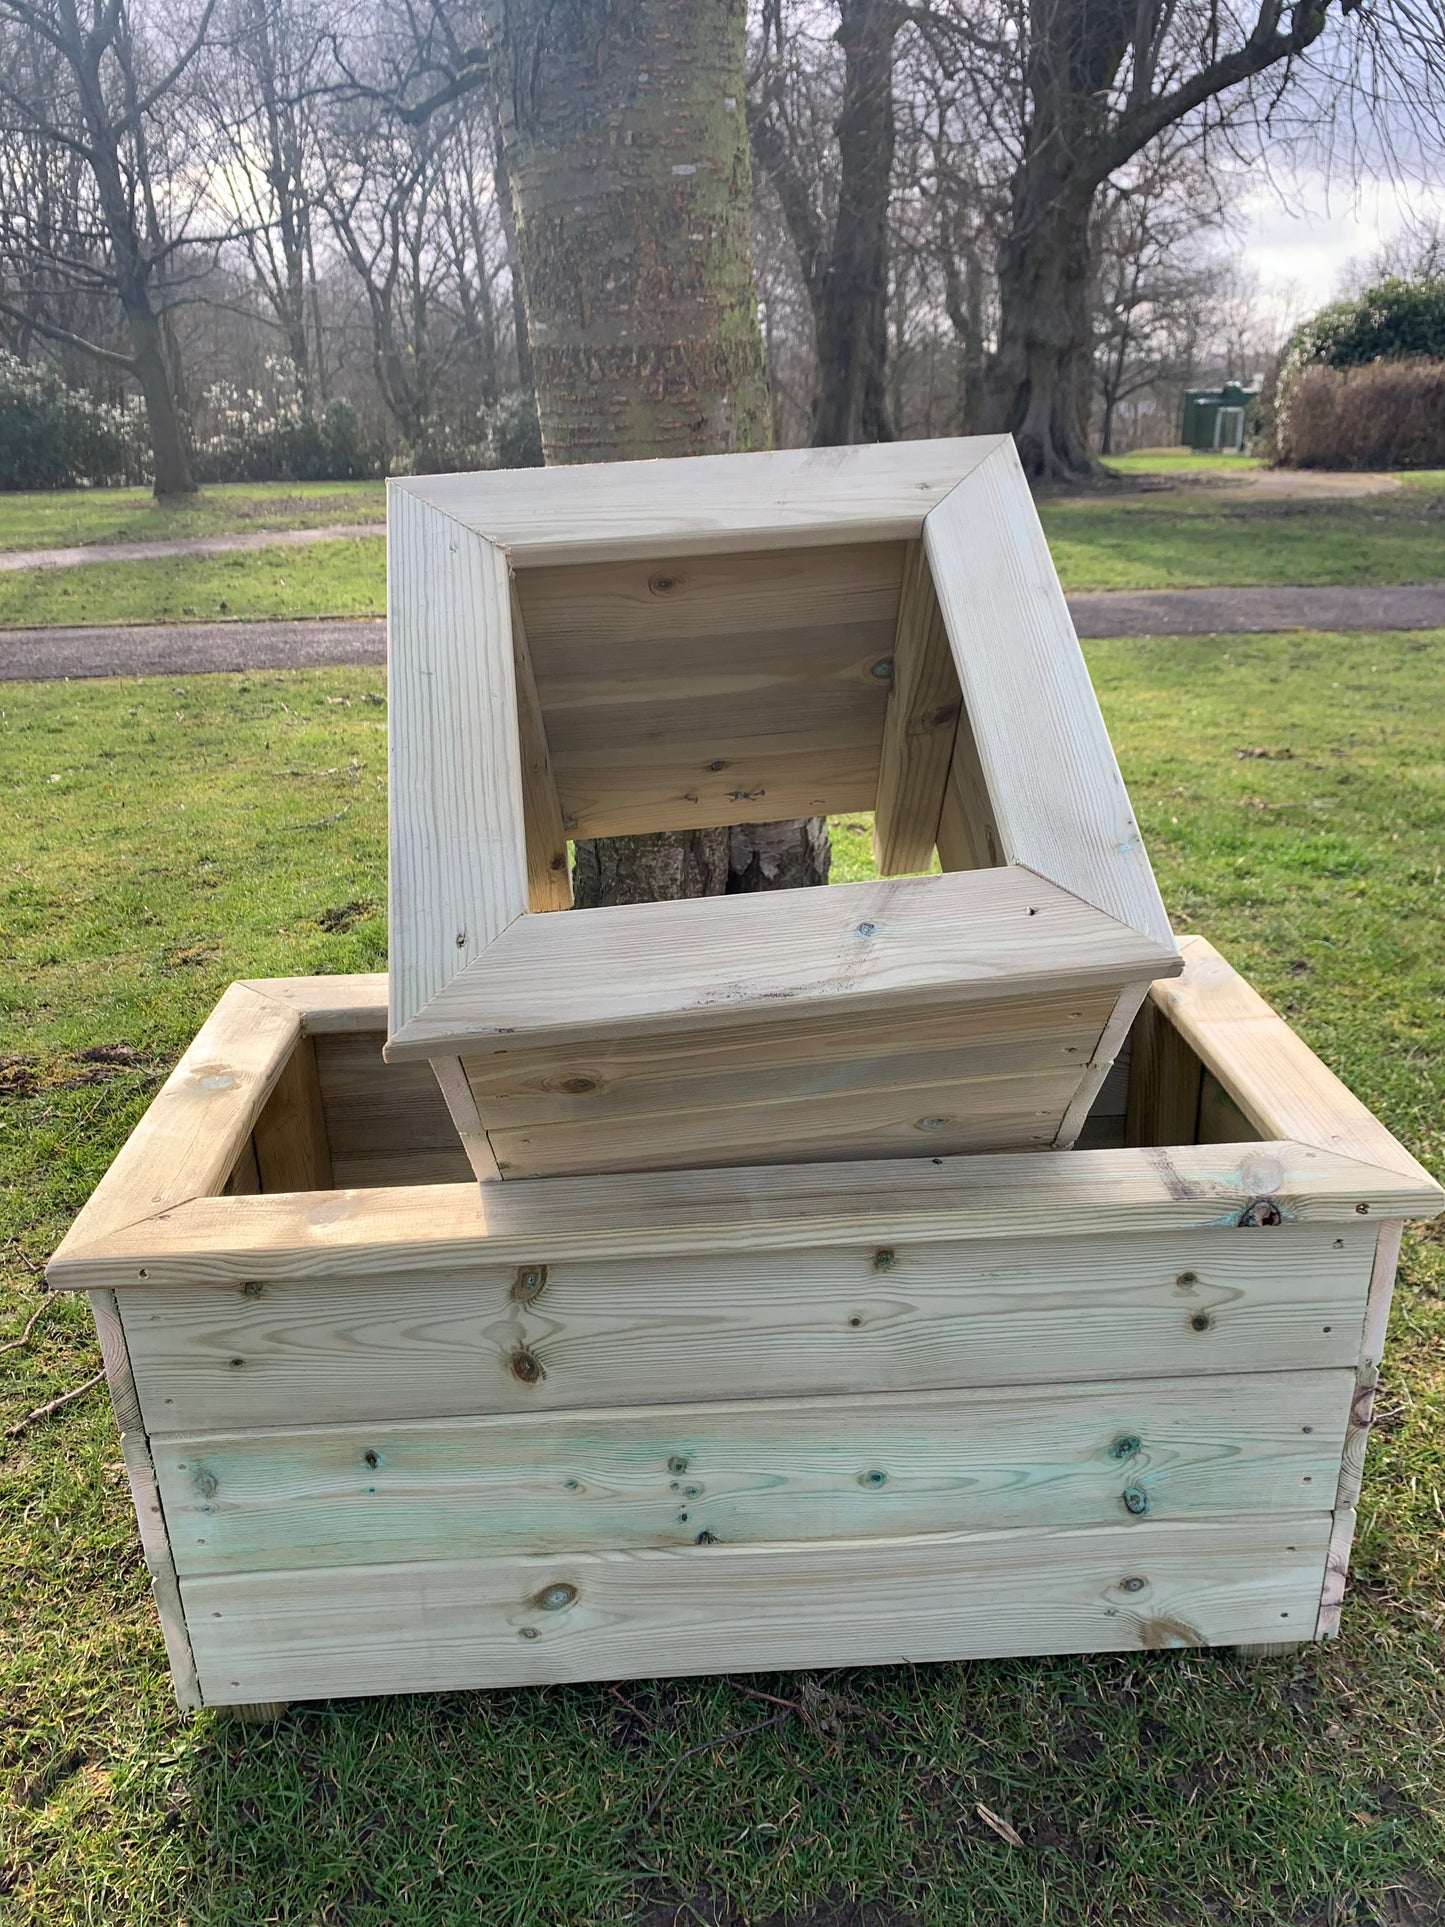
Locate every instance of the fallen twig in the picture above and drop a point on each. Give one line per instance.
(320, 823)
(14, 1344)
(707, 1746)
(45, 1411)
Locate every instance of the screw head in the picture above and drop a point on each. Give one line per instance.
(883, 669)
(873, 1478)
(552, 1599)
(1136, 1500)
(1125, 1447)
(1131, 1585)
(885, 1259)
(677, 1463)
(1200, 1322)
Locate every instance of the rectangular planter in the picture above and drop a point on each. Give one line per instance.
(390, 1430)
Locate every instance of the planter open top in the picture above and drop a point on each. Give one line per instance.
(690, 644)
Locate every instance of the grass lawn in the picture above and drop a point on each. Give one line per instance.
(161, 838)
(73, 518)
(1181, 461)
(1176, 538)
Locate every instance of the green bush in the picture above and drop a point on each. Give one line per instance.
(52, 436)
(1395, 321)
(247, 438)
(1389, 414)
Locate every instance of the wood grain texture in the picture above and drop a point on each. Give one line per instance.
(290, 1141)
(458, 845)
(886, 1316)
(705, 1609)
(549, 877)
(932, 943)
(430, 1228)
(150, 1518)
(381, 1116)
(1164, 1082)
(330, 1006)
(1220, 1119)
(968, 836)
(706, 505)
(1337, 1574)
(1115, 1038)
(771, 1471)
(1273, 1075)
(1367, 1376)
(919, 728)
(1060, 804)
(198, 1124)
(452, 1082)
(728, 689)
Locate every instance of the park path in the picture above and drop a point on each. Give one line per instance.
(16, 559)
(176, 649)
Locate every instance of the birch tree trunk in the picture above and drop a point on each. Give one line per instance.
(625, 140)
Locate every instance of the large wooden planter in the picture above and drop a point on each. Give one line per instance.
(682, 645)
(389, 1430)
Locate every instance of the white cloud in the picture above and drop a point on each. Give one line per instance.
(1300, 236)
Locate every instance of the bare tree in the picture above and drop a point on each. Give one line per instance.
(102, 107)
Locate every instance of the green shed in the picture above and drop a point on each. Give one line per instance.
(1214, 418)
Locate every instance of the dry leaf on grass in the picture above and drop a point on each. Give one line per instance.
(1000, 1827)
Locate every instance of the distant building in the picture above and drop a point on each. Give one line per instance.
(1214, 418)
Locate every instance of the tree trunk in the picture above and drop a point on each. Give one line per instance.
(1038, 381)
(170, 443)
(851, 307)
(625, 146)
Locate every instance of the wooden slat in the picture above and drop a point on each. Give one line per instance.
(458, 863)
(706, 505)
(770, 1471)
(1220, 1119)
(549, 879)
(706, 1609)
(918, 729)
(1270, 1073)
(150, 1518)
(928, 943)
(732, 689)
(887, 1316)
(245, 1178)
(1059, 800)
(760, 1063)
(968, 837)
(452, 1082)
(189, 1141)
(372, 1107)
(965, 1114)
(432, 1228)
(1164, 1083)
(1115, 1038)
(330, 1006)
(292, 1151)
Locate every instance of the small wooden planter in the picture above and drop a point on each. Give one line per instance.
(423, 1434)
(689, 644)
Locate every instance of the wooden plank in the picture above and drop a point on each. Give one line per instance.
(1220, 1119)
(549, 879)
(770, 1471)
(292, 1151)
(930, 943)
(887, 1316)
(919, 728)
(432, 1228)
(708, 1609)
(452, 1082)
(1061, 809)
(1164, 1083)
(729, 689)
(1005, 1112)
(330, 1006)
(1337, 1575)
(245, 1178)
(372, 1107)
(1115, 1038)
(1367, 1376)
(1270, 1073)
(759, 1063)
(458, 864)
(706, 505)
(968, 835)
(150, 1518)
(190, 1139)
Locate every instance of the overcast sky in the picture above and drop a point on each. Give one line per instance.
(1301, 237)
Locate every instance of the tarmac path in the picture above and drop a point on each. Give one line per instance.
(177, 649)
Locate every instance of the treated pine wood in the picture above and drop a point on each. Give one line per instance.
(919, 728)
(452, 1082)
(1015, 1110)
(703, 1609)
(1367, 1376)
(1114, 1039)
(1270, 1073)
(150, 1519)
(884, 1316)
(727, 689)
(549, 877)
(257, 1712)
(1220, 1119)
(1049, 768)
(458, 842)
(329, 1006)
(706, 505)
(1164, 1083)
(968, 835)
(935, 943)
(381, 1115)
(292, 1149)
(1337, 1574)
(772, 1062)
(245, 1178)
(773, 1471)
(1270, 1649)
(780, 1207)
(189, 1141)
